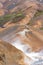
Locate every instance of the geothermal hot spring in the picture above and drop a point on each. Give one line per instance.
(36, 58)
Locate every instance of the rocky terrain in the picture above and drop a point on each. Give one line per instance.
(21, 32)
(9, 55)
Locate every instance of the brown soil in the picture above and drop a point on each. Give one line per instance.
(9, 55)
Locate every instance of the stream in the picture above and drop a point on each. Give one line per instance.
(32, 58)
